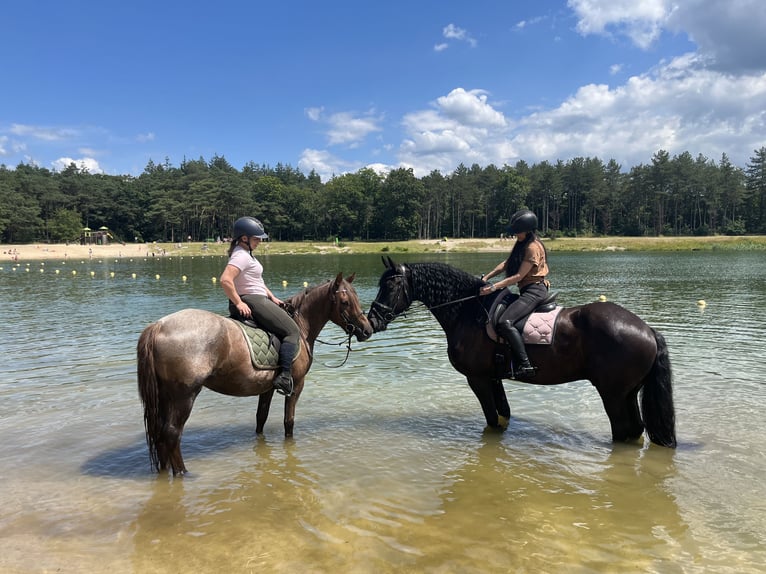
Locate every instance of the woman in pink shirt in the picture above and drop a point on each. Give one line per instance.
(242, 281)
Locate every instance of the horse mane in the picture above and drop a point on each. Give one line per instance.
(299, 299)
(436, 283)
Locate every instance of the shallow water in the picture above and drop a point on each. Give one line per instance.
(391, 468)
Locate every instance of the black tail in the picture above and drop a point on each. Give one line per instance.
(657, 398)
(149, 392)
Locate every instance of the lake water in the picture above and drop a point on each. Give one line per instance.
(391, 469)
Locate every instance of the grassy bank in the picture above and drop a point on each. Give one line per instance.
(745, 243)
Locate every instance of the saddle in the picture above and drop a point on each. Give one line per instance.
(537, 328)
(263, 346)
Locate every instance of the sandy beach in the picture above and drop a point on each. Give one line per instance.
(63, 252)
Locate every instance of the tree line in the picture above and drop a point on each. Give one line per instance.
(200, 199)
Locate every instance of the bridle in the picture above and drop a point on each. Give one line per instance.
(387, 313)
(350, 328)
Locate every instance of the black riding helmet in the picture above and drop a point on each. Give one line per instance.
(523, 221)
(249, 226)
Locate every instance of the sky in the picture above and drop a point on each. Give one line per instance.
(337, 86)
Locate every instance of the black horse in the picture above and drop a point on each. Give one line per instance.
(602, 342)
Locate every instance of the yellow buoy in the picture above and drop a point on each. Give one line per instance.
(92, 273)
(57, 271)
(74, 271)
(701, 303)
(183, 277)
(133, 275)
(27, 269)
(305, 283)
(602, 298)
(157, 276)
(284, 283)
(111, 274)
(214, 279)
(41, 269)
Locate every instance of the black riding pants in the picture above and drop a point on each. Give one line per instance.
(274, 319)
(529, 298)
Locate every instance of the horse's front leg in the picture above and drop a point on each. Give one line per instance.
(485, 390)
(264, 404)
(290, 406)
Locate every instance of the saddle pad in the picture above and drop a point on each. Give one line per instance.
(538, 330)
(263, 353)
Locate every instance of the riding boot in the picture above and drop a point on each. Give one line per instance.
(522, 366)
(283, 382)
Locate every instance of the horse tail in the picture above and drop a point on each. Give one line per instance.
(657, 398)
(148, 390)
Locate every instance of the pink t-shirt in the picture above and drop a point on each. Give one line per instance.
(250, 278)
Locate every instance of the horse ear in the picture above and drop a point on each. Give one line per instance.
(338, 280)
(383, 259)
(350, 278)
(391, 264)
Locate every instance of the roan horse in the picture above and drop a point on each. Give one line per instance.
(601, 342)
(192, 348)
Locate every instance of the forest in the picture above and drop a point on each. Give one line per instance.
(199, 199)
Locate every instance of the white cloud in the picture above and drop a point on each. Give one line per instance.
(314, 114)
(348, 128)
(324, 163)
(440, 47)
(144, 138)
(3, 144)
(42, 133)
(87, 163)
(641, 21)
(452, 32)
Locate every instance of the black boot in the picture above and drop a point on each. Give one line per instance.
(283, 382)
(522, 367)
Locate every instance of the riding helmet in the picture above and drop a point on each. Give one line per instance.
(523, 221)
(249, 226)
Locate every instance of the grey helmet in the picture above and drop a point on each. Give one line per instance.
(249, 226)
(523, 221)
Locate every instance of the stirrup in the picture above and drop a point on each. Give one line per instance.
(283, 385)
(524, 371)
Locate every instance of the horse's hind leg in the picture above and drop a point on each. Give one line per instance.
(178, 409)
(624, 415)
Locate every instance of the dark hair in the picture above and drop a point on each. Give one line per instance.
(514, 260)
(232, 245)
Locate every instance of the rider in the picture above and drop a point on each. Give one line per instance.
(526, 266)
(242, 281)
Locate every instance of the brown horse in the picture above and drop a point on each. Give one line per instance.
(192, 348)
(600, 342)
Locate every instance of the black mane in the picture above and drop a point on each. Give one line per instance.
(438, 285)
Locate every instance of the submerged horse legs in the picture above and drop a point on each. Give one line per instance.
(176, 412)
(492, 399)
(624, 415)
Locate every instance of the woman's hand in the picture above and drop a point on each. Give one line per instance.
(487, 289)
(244, 309)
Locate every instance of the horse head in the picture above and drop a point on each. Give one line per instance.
(393, 298)
(347, 311)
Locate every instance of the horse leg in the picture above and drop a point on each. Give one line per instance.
(501, 401)
(177, 410)
(624, 415)
(290, 405)
(264, 404)
(485, 391)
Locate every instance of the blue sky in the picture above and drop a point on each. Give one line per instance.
(336, 86)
